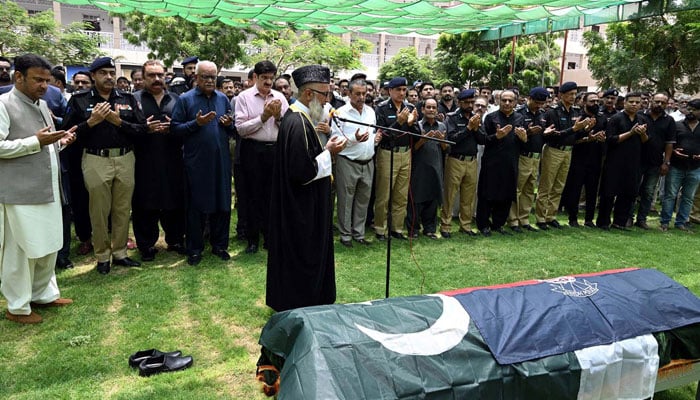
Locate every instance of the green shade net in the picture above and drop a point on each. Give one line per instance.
(495, 19)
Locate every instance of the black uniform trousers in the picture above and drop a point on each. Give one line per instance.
(581, 176)
(145, 223)
(622, 204)
(491, 213)
(218, 230)
(257, 159)
(421, 214)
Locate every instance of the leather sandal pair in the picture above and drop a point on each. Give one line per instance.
(153, 361)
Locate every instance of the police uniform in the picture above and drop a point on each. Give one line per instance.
(461, 167)
(107, 165)
(528, 162)
(387, 113)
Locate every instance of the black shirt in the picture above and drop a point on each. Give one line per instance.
(661, 131)
(689, 141)
(387, 117)
(105, 135)
(563, 122)
(458, 132)
(534, 142)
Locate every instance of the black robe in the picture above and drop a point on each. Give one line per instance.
(300, 261)
(498, 179)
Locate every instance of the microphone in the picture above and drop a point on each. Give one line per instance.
(334, 117)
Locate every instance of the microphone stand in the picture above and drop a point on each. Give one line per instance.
(392, 137)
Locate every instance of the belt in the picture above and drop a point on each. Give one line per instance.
(111, 152)
(361, 162)
(564, 148)
(397, 149)
(260, 143)
(531, 155)
(462, 157)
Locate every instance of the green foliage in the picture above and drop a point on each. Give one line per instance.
(40, 34)
(288, 48)
(652, 54)
(406, 63)
(174, 38)
(466, 58)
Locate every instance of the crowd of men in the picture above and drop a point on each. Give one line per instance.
(160, 151)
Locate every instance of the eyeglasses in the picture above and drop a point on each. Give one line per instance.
(324, 94)
(207, 77)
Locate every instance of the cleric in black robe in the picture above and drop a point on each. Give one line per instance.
(300, 262)
(502, 134)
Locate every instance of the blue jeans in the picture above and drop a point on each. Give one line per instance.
(675, 180)
(650, 177)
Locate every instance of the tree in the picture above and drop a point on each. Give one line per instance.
(174, 38)
(406, 63)
(652, 54)
(40, 34)
(465, 58)
(288, 48)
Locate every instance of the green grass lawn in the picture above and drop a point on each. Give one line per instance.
(215, 311)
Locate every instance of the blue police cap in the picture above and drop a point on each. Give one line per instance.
(190, 60)
(101, 62)
(466, 94)
(567, 87)
(611, 92)
(396, 82)
(539, 94)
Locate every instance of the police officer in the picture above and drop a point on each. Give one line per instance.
(107, 121)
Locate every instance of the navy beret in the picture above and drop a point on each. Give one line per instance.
(466, 94)
(539, 94)
(101, 62)
(396, 82)
(611, 92)
(567, 87)
(190, 60)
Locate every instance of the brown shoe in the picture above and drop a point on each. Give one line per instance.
(85, 248)
(56, 303)
(32, 318)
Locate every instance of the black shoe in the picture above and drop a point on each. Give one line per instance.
(149, 254)
(136, 358)
(251, 249)
(529, 228)
(164, 363)
(103, 267)
(414, 235)
(222, 254)
(554, 224)
(64, 263)
(398, 235)
(467, 232)
(180, 249)
(574, 224)
(431, 235)
(445, 234)
(604, 227)
(516, 229)
(194, 259)
(380, 237)
(589, 224)
(642, 224)
(486, 232)
(543, 226)
(503, 231)
(126, 262)
(346, 243)
(619, 227)
(363, 242)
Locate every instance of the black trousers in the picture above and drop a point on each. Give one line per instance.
(257, 159)
(581, 176)
(492, 213)
(79, 198)
(622, 205)
(64, 252)
(218, 230)
(145, 224)
(241, 199)
(421, 214)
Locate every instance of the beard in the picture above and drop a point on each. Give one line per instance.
(593, 109)
(315, 110)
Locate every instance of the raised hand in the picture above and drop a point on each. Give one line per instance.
(206, 118)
